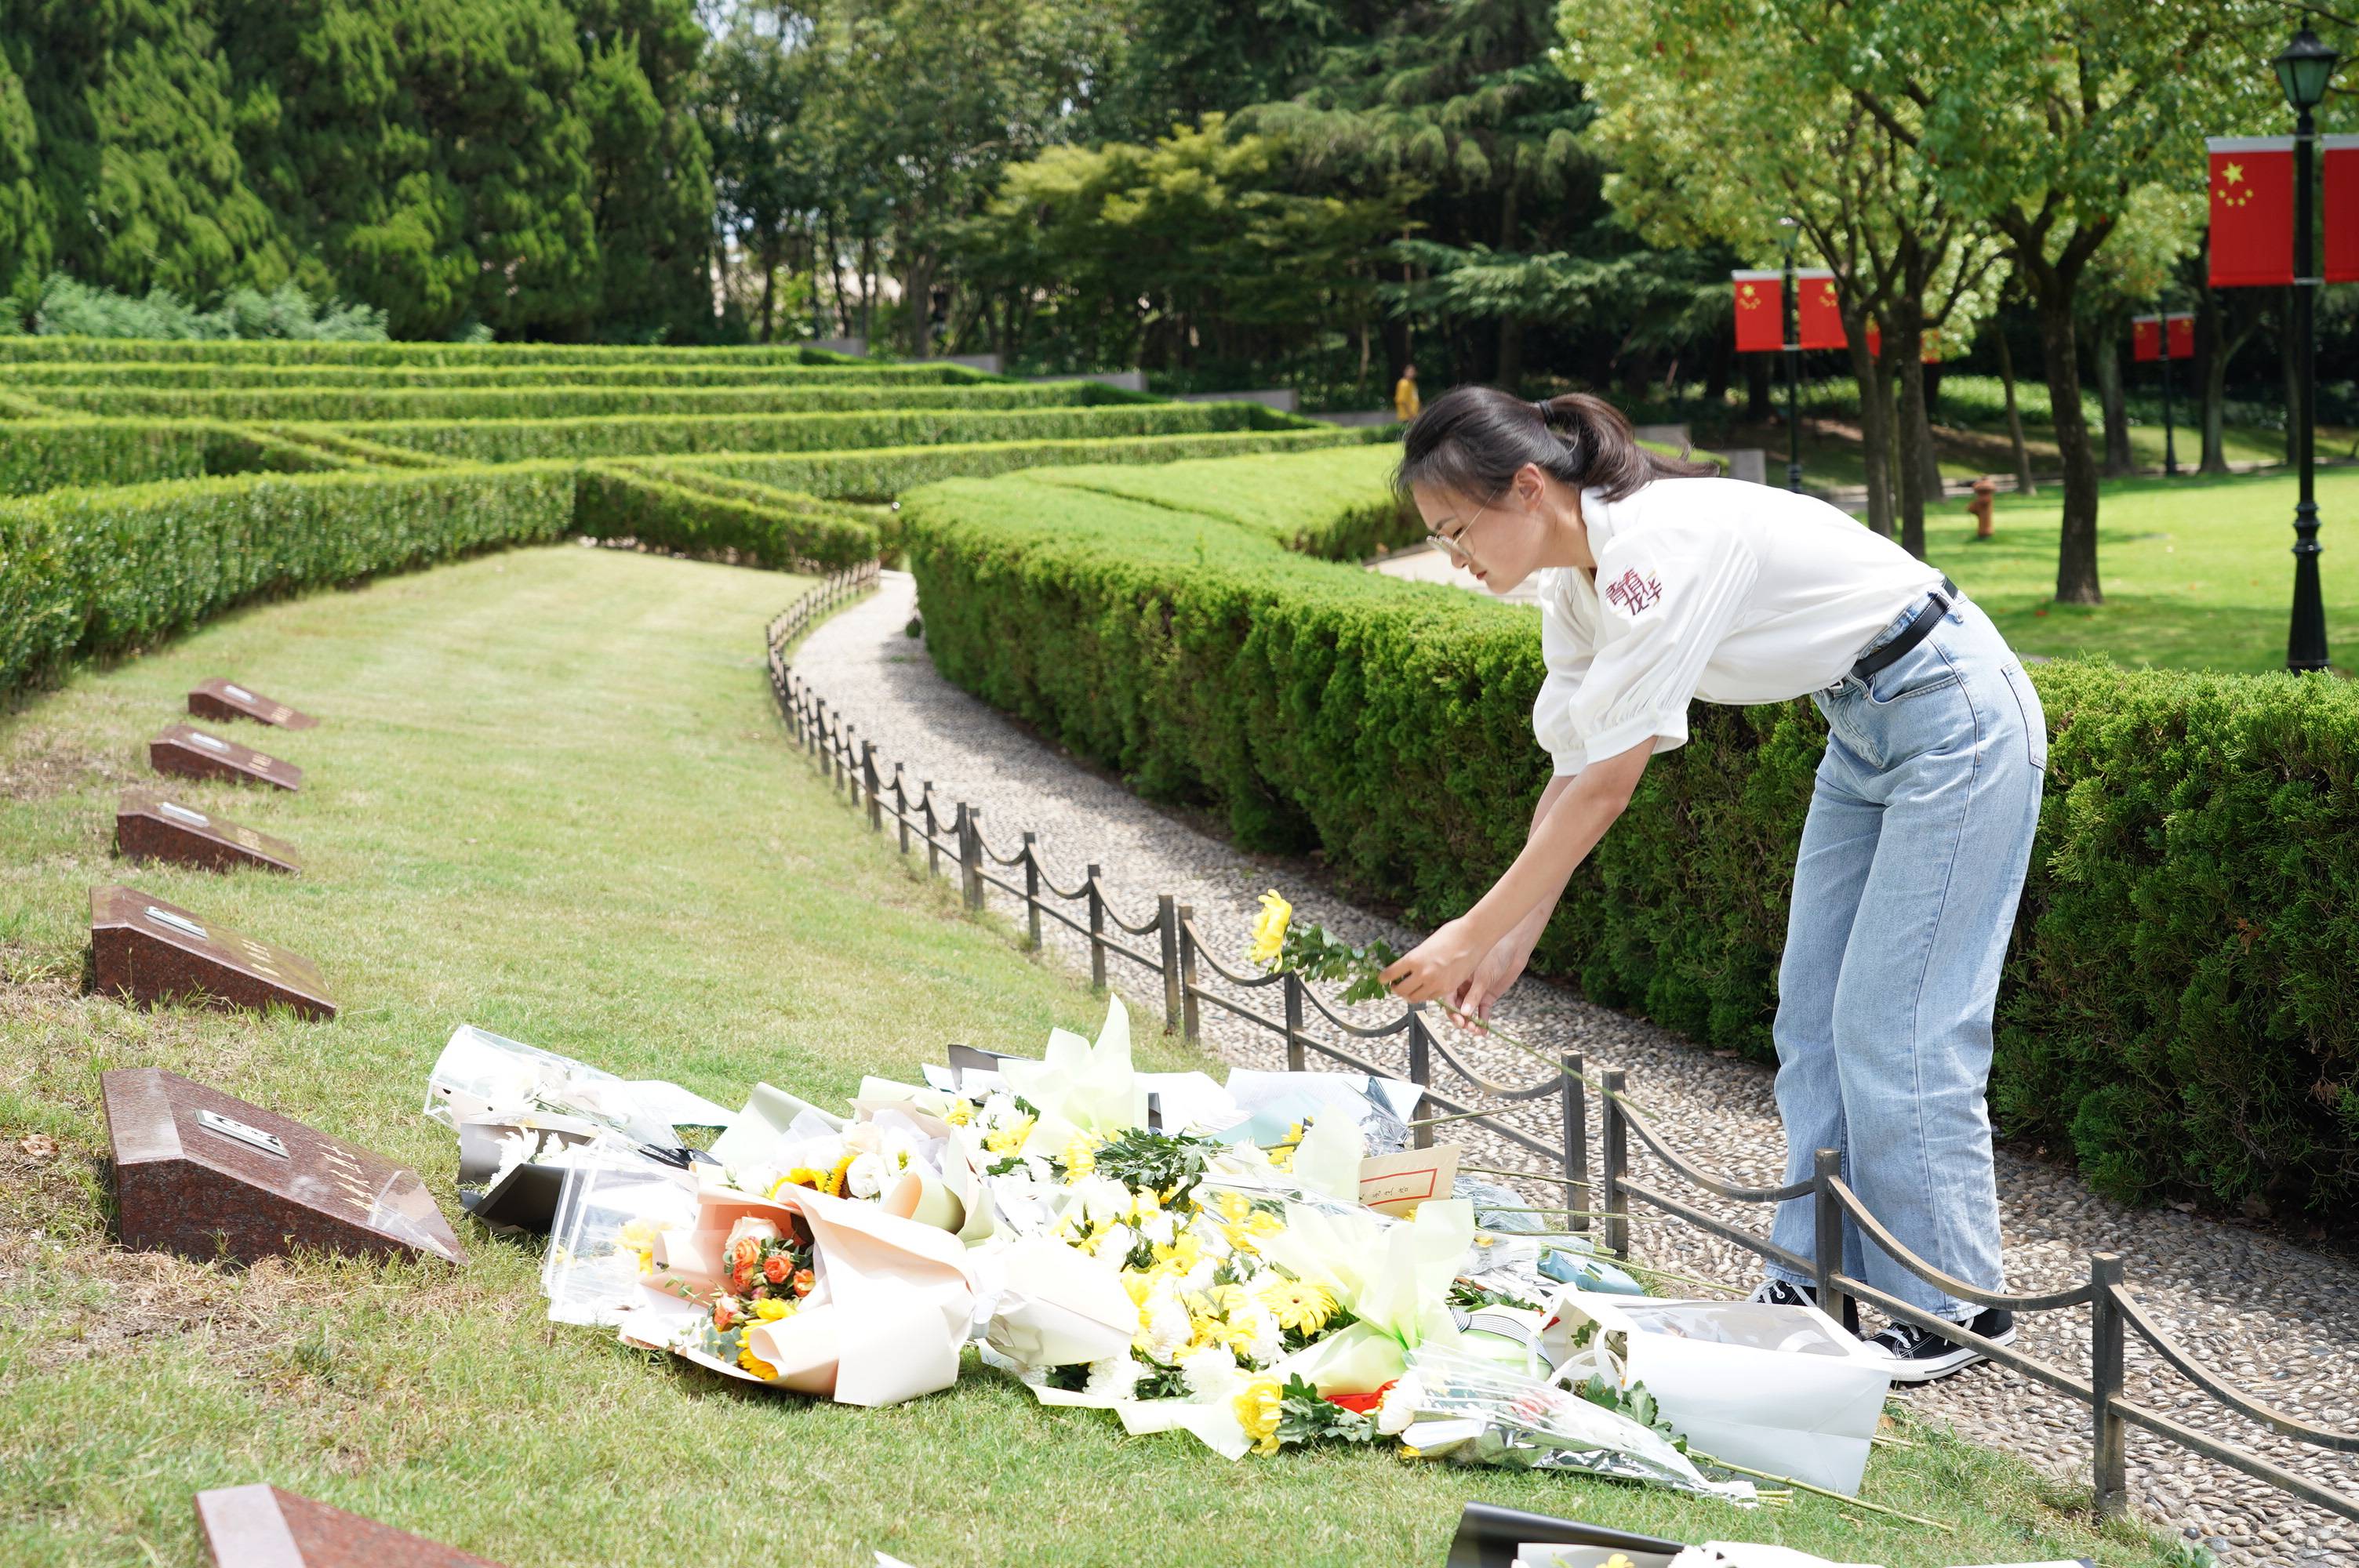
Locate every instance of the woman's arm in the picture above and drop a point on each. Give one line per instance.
(1564, 831)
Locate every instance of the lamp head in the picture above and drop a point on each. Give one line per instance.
(2304, 67)
(1790, 233)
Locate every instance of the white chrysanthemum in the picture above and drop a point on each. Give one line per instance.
(1102, 1199)
(1200, 1279)
(1164, 1322)
(1268, 1341)
(1116, 1377)
(1113, 1247)
(1209, 1369)
(1161, 1227)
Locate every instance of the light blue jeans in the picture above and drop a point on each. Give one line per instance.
(1913, 856)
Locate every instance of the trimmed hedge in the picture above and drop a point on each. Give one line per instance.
(516, 440)
(202, 376)
(289, 352)
(52, 454)
(2179, 1008)
(879, 473)
(544, 401)
(87, 572)
(614, 503)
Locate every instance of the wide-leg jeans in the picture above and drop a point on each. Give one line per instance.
(1912, 862)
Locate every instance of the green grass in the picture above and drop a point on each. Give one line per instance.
(2197, 573)
(550, 796)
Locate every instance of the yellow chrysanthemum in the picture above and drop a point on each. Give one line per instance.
(959, 1115)
(1281, 1157)
(755, 1365)
(1082, 1155)
(1184, 1253)
(1296, 1304)
(1269, 928)
(1257, 1409)
(1232, 1206)
(1010, 1138)
(639, 1235)
(770, 1310)
(1139, 1285)
(1255, 1228)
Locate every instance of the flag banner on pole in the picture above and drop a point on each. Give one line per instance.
(1760, 311)
(1821, 314)
(2145, 338)
(2181, 336)
(2340, 155)
(2252, 212)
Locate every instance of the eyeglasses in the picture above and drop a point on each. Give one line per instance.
(1448, 544)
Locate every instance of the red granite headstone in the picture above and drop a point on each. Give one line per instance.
(147, 827)
(191, 753)
(227, 699)
(148, 950)
(262, 1526)
(203, 1174)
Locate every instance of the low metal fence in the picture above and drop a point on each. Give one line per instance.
(1178, 958)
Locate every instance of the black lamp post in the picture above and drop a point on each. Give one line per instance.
(1789, 231)
(2162, 332)
(2303, 70)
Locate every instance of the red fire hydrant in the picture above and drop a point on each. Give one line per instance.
(1981, 506)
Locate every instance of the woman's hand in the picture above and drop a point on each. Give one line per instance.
(1499, 970)
(1437, 966)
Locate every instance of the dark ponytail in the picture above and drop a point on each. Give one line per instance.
(1473, 439)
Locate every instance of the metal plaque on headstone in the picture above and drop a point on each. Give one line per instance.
(150, 951)
(193, 753)
(205, 1174)
(150, 826)
(228, 699)
(262, 1526)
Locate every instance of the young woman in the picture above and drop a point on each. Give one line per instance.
(1657, 586)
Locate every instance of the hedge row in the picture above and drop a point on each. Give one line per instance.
(614, 503)
(88, 572)
(50, 454)
(286, 351)
(33, 378)
(546, 402)
(516, 441)
(879, 473)
(2179, 1008)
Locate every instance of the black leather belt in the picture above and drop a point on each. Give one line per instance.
(1919, 627)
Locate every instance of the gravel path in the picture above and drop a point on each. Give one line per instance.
(2277, 1320)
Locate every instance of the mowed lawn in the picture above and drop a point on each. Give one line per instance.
(2197, 573)
(550, 796)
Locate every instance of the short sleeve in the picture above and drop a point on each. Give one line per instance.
(1567, 655)
(1665, 598)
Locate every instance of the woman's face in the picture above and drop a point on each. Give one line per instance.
(1501, 540)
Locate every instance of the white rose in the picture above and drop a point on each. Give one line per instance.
(868, 1176)
(1399, 1404)
(749, 1227)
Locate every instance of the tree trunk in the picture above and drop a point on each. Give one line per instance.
(2105, 354)
(1757, 408)
(917, 293)
(1874, 416)
(1915, 436)
(2076, 553)
(1926, 451)
(1510, 363)
(769, 292)
(835, 276)
(2023, 483)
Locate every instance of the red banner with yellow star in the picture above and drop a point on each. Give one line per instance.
(1760, 311)
(1821, 323)
(2252, 212)
(2148, 338)
(2340, 157)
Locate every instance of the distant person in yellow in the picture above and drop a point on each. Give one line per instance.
(1405, 399)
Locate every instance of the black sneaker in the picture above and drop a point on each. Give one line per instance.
(1919, 1355)
(1774, 1291)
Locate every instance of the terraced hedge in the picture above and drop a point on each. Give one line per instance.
(519, 440)
(2179, 1008)
(50, 454)
(345, 403)
(32, 376)
(743, 529)
(285, 352)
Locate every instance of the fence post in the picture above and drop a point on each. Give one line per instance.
(818, 730)
(1420, 1065)
(844, 757)
(869, 781)
(1617, 1159)
(1166, 925)
(1294, 1053)
(1032, 890)
(1828, 1243)
(2109, 1466)
(933, 849)
(1574, 1107)
(970, 852)
(902, 807)
(1097, 929)
(1188, 1022)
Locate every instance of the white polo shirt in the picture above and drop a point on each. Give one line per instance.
(1706, 588)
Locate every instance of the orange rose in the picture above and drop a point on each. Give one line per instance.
(804, 1281)
(741, 1278)
(746, 1253)
(777, 1267)
(723, 1315)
